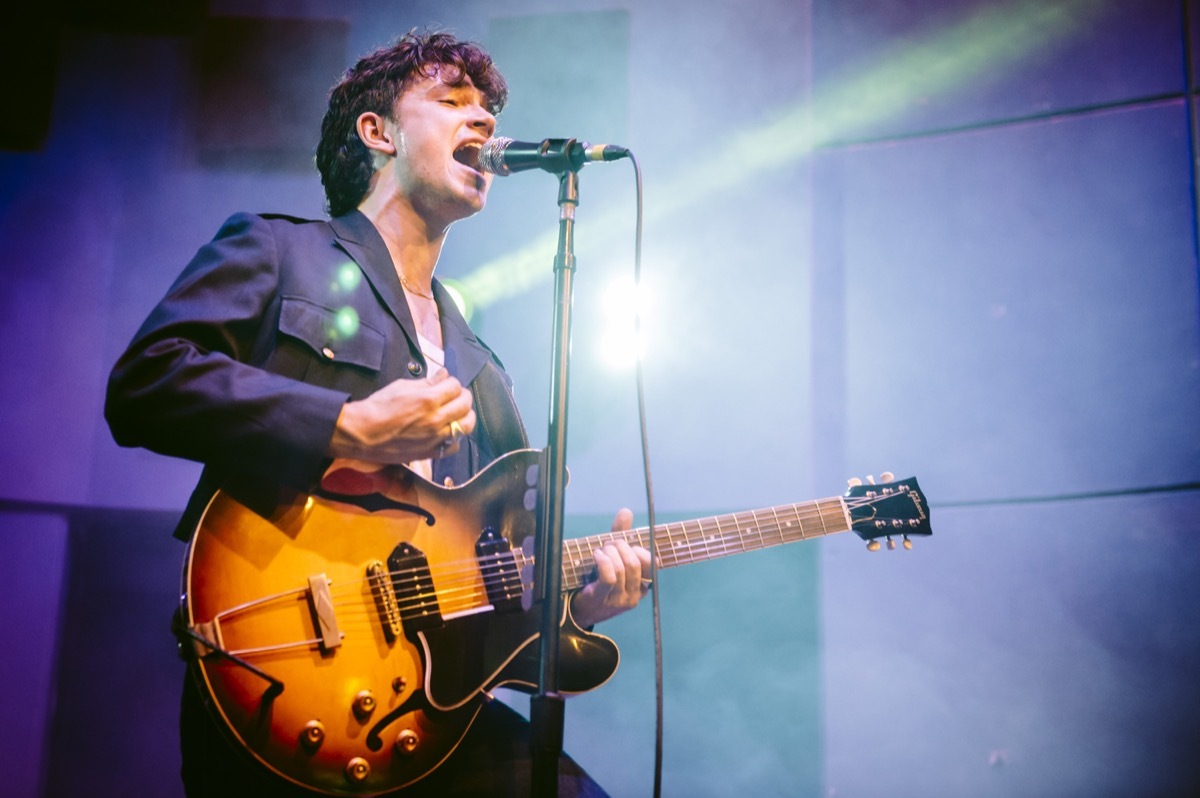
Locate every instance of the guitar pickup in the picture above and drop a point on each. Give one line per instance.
(498, 567)
(321, 603)
(413, 586)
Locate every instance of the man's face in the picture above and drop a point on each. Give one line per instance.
(439, 129)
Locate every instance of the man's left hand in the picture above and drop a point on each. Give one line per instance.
(619, 584)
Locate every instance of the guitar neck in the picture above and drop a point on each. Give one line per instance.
(685, 542)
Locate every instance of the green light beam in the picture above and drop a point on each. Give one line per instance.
(990, 40)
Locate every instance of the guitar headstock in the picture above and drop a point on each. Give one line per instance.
(888, 509)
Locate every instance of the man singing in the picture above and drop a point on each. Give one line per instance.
(288, 346)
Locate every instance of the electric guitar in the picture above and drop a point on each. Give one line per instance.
(348, 637)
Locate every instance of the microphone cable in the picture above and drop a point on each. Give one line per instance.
(642, 427)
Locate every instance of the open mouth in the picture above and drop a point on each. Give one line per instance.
(468, 155)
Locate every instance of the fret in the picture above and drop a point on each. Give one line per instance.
(797, 527)
(576, 561)
(754, 519)
(684, 542)
(672, 548)
(720, 533)
(702, 539)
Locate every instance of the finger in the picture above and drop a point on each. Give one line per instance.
(644, 558)
(449, 389)
(621, 575)
(606, 570)
(456, 400)
(623, 521)
(467, 422)
(452, 408)
(455, 430)
(633, 567)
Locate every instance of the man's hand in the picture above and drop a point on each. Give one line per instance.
(619, 585)
(405, 421)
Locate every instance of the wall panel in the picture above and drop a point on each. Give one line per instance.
(1022, 650)
(901, 67)
(1021, 306)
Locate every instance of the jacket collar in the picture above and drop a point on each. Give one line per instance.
(359, 239)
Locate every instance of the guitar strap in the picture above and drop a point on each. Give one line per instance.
(496, 411)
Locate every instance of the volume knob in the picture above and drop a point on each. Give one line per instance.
(364, 705)
(357, 770)
(407, 742)
(312, 735)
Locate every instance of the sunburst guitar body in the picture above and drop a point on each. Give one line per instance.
(347, 638)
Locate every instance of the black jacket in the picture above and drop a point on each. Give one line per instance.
(273, 326)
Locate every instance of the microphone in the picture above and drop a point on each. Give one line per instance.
(503, 156)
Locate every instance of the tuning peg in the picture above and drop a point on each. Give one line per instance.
(870, 479)
(891, 544)
(907, 543)
(854, 482)
(888, 476)
(873, 545)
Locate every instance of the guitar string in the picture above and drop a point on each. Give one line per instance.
(721, 542)
(449, 597)
(704, 542)
(458, 584)
(466, 576)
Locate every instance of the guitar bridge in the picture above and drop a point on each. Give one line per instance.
(321, 603)
(385, 600)
(202, 634)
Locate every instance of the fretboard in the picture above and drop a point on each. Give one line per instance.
(684, 542)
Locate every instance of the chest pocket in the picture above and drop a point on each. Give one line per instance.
(334, 337)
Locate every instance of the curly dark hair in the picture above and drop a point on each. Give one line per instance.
(374, 84)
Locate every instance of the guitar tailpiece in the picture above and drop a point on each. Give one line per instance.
(200, 646)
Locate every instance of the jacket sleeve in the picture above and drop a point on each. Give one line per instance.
(192, 382)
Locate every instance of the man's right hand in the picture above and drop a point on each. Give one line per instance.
(405, 421)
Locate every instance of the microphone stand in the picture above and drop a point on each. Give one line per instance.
(547, 706)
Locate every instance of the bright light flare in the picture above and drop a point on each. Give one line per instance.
(622, 343)
(462, 299)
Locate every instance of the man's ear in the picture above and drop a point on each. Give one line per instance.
(373, 132)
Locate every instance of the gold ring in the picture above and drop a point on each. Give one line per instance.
(456, 430)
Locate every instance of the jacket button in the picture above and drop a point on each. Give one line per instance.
(328, 353)
(414, 368)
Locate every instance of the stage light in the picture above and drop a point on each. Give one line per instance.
(622, 344)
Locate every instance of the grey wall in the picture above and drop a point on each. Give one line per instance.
(952, 239)
(1008, 255)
